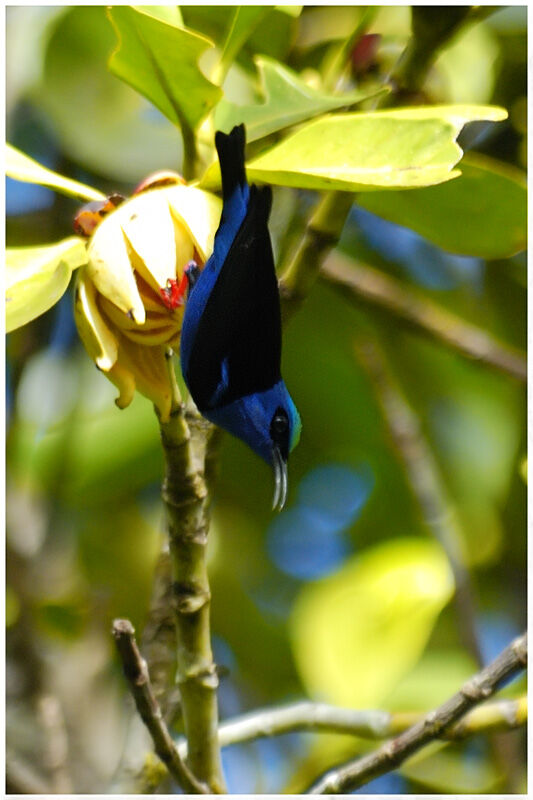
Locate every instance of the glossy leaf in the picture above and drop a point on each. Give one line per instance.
(401, 148)
(160, 61)
(358, 632)
(245, 20)
(23, 168)
(36, 277)
(101, 123)
(482, 213)
(170, 14)
(287, 101)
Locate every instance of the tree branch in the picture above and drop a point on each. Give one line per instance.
(432, 27)
(136, 672)
(321, 234)
(424, 481)
(374, 289)
(367, 724)
(357, 773)
(325, 226)
(186, 500)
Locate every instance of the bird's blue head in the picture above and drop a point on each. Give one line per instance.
(270, 424)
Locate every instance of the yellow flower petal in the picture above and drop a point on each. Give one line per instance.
(95, 334)
(199, 211)
(125, 383)
(148, 367)
(160, 243)
(110, 268)
(160, 327)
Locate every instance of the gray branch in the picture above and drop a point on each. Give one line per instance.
(390, 755)
(368, 724)
(136, 672)
(371, 288)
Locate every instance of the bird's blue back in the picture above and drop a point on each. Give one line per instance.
(236, 196)
(231, 334)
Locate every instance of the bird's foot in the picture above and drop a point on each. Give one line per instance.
(192, 271)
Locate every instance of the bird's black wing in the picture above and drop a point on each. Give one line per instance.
(237, 346)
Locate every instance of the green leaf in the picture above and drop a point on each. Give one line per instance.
(36, 278)
(482, 213)
(401, 148)
(436, 677)
(445, 769)
(160, 61)
(23, 168)
(292, 11)
(170, 14)
(101, 123)
(288, 100)
(357, 633)
(245, 20)
(215, 21)
(464, 72)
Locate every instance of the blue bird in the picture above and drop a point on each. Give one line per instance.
(231, 335)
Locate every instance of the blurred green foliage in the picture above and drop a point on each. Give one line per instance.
(84, 519)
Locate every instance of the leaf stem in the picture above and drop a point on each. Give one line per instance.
(424, 480)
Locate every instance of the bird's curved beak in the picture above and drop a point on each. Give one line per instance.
(280, 477)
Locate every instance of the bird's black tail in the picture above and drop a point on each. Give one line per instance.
(230, 149)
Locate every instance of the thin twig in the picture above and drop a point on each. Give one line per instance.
(389, 756)
(373, 288)
(368, 724)
(136, 672)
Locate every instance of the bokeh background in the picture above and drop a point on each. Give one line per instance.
(342, 597)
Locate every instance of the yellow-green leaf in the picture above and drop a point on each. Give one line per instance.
(23, 168)
(288, 100)
(101, 123)
(442, 769)
(355, 634)
(245, 20)
(36, 277)
(401, 148)
(171, 14)
(482, 213)
(160, 60)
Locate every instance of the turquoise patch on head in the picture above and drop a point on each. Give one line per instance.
(296, 426)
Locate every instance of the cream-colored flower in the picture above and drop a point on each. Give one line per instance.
(124, 317)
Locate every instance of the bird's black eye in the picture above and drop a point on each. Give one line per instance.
(279, 424)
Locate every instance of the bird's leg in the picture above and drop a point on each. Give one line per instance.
(192, 271)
